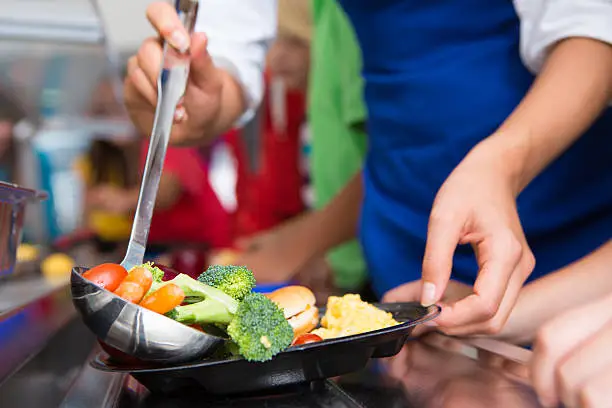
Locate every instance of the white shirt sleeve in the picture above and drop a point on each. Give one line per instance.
(239, 34)
(546, 22)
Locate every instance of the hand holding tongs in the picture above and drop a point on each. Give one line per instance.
(170, 88)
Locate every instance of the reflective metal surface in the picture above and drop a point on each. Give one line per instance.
(431, 372)
(139, 332)
(170, 88)
(13, 201)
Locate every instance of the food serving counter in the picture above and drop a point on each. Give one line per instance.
(45, 352)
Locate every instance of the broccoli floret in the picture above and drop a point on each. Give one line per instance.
(236, 281)
(259, 328)
(197, 291)
(212, 305)
(228, 350)
(206, 311)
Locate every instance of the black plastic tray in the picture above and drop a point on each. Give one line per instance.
(299, 364)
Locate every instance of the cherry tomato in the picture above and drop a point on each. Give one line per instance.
(306, 338)
(108, 276)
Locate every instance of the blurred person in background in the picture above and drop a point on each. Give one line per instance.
(108, 166)
(187, 211)
(336, 115)
(272, 179)
(470, 121)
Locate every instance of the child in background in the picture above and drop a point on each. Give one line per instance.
(186, 210)
(277, 190)
(272, 180)
(107, 166)
(337, 116)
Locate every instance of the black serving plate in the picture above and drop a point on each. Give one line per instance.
(296, 365)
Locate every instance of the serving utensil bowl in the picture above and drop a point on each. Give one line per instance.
(136, 331)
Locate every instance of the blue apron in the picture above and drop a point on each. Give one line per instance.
(441, 75)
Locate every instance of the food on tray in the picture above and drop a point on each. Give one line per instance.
(236, 281)
(258, 326)
(221, 296)
(164, 299)
(349, 315)
(306, 339)
(108, 276)
(298, 304)
(135, 285)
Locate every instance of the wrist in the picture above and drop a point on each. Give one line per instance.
(505, 155)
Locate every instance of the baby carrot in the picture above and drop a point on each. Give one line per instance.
(164, 299)
(130, 291)
(140, 277)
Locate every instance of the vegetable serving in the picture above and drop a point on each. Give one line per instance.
(258, 326)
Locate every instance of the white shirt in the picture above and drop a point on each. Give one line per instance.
(241, 31)
(239, 34)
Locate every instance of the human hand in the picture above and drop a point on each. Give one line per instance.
(411, 292)
(477, 205)
(201, 102)
(572, 362)
(276, 255)
(110, 198)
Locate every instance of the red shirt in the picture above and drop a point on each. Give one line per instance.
(198, 216)
(272, 194)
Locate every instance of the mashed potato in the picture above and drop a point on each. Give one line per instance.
(349, 315)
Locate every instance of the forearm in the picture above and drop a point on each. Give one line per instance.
(337, 222)
(587, 279)
(573, 88)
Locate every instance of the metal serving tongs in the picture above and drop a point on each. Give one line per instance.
(170, 87)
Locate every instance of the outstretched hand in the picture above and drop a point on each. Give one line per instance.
(477, 205)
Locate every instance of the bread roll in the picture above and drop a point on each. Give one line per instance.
(298, 304)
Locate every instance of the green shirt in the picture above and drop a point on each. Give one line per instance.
(337, 114)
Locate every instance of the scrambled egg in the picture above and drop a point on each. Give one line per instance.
(349, 315)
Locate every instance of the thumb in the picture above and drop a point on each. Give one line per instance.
(408, 292)
(202, 69)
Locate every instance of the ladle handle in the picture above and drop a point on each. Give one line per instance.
(170, 87)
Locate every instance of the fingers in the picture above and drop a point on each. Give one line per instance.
(442, 237)
(408, 292)
(203, 69)
(579, 368)
(500, 273)
(448, 320)
(149, 58)
(138, 85)
(557, 340)
(597, 391)
(166, 22)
